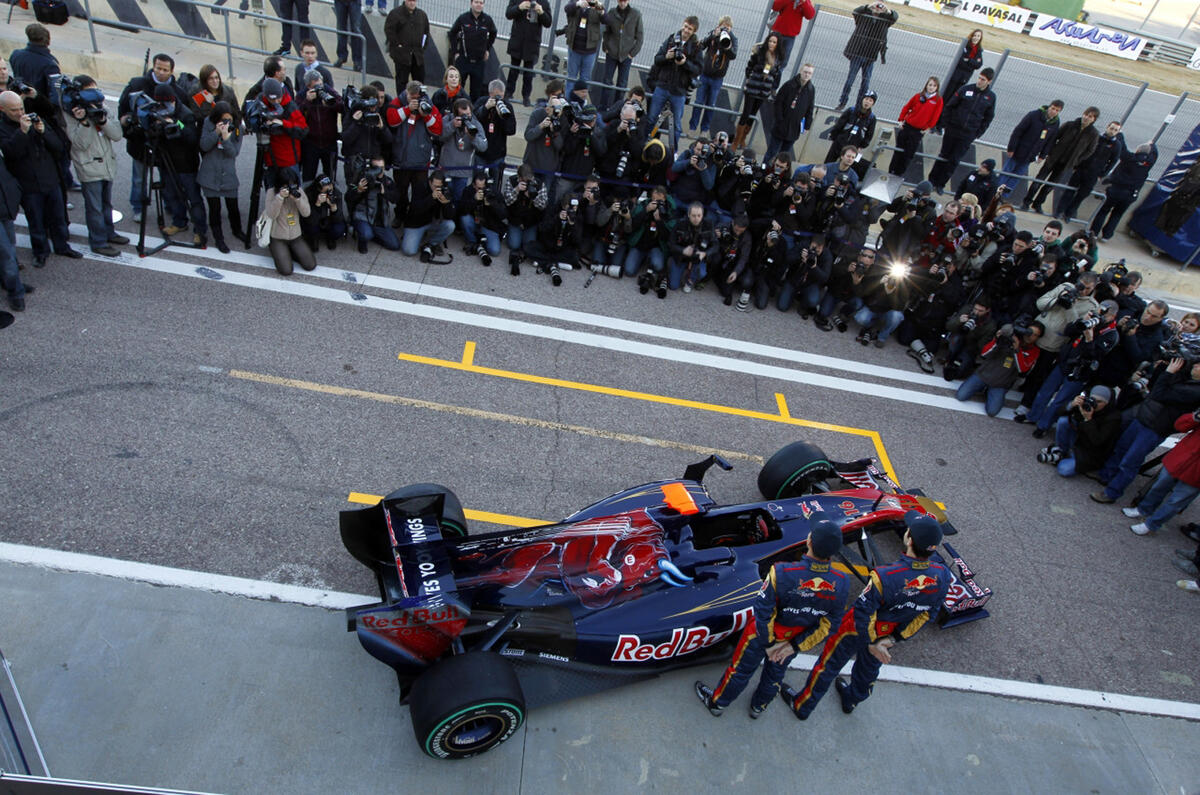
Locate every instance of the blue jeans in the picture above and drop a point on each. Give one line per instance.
(660, 97)
(633, 260)
(10, 277)
(1064, 439)
(1056, 390)
(600, 255)
(348, 14)
(621, 70)
(438, 231)
(1167, 497)
(97, 208)
(676, 272)
(383, 235)
(888, 320)
(191, 202)
(1016, 167)
(785, 50)
(136, 200)
(1121, 468)
(47, 221)
(381, 3)
(993, 399)
(517, 236)
(775, 146)
(706, 94)
(857, 64)
(491, 238)
(830, 302)
(579, 66)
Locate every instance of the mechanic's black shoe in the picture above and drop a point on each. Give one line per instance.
(704, 693)
(843, 689)
(789, 697)
(1039, 433)
(755, 712)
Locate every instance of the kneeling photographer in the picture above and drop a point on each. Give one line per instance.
(1092, 337)
(969, 331)
(483, 216)
(807, 276)
(1059, 307)
(691, 242)
(768, 268)
(285, 206)
(1085, 435)
(925, 318)
(327, 221)
(558, 240)
(525, 198)
(172, 139)
(652, 223)
(92, 133)
(371, 197)
(1006, 357)
(612, 235)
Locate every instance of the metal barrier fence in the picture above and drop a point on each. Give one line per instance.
(229, 45)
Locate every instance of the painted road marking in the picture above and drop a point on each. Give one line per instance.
(335, 600)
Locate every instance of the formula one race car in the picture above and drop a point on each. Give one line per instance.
(480, 627)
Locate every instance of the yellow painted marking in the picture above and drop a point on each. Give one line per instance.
(468, 352)
(475, 516)
(464, 411)
(650, 397)
(781, 401)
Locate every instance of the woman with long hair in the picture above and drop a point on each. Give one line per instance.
(762, 78)
(452, 89)
(286, 203)
(919, 114)
(220, 143)
(213, 90)
(969, 59)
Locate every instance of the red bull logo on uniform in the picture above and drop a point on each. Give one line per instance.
(818, 585)
(684, 640)
(922, 582)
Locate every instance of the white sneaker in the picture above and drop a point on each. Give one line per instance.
(1140, 529)
(1132, 513)
(368, 9)
(1188, 585)
(566, 266)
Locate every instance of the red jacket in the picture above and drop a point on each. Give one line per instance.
(285, 148)
(792, 14)
(1183, 462)
(922, 115)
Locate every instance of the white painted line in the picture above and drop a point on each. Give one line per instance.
(439, 313)
(334, 600)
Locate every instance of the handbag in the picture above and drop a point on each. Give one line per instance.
(262, 230)
(51, 12)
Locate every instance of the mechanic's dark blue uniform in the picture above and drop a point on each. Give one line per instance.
(899, 599)
(800, 601)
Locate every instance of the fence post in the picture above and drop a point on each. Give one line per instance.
(762, 26)
(87, 7)
(228, 49)
(1133, 102)
(1000, 65)
(1147, 19)
(1191, 19)
(1170, 118)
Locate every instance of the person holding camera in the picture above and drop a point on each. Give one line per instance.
(691, 242)
(763, 71)
(496, 115)
(801, 211)
(789, 19)
(430, 219)
(855, 127)
(968, 331)
(1176, 391)
(735, 183)
(162, 72)
(1093, 336)
(583, 147)
(653, 221)
(913, 216)
(413, 126)
(173, 133)
(1141, 337)
(463, 139)
(1084, 436)
(274, 114)
(32, 150)
(1058, 307)
(733, 247)
(525, 197)
(920, 113)
(614, 223)
(769, 266)
(867, 44)
(1177, 483)
(483, 217)
(965, 116)
(471, 38)
(321, 107)
(558, 240)
(719, 49)
(327, 221)
(370, 197)
(1010, 354)
(848, 286)
(91, 133)
(882, 309)
(623, 37)
(766, 194)
(676, 64)
(594, 212)
(285, 205)
(406, 32)
(693, 174)
(624, 138)
(924, 325)
(529, 18)
(808, 273)
(583, 29)
(544, 133)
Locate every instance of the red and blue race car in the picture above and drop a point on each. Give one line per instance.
(481, 627)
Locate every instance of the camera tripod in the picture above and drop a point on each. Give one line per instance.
(154, 159)
(263, 140)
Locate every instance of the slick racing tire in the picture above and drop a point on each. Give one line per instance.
(454, 522)
(796, 470)
(465, 705)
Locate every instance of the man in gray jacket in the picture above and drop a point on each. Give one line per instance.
(92, 132)
(623, 37)
(462, 139)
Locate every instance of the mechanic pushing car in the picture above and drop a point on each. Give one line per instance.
(799, 602)
(899, 599)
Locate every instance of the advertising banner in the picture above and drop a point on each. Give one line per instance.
(1090, 37)
(997, 14)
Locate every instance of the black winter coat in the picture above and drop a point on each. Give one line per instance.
(31, 157)
(525, 37)
(761, 81)
(674, 78)
(135, 139)
(10, 194)
(1132, 169)
(1104, 157)
(793, 109)
(869, 39)
(969, 112)
(1033, 135)
(1172, 394)
(1073, 144)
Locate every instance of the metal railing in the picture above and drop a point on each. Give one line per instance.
(229, 44)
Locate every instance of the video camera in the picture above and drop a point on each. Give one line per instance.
(1182, 346)
(363, 168)
(16, 85)
(156, 119)
(91, 99)
(260, 114)
(356, 102)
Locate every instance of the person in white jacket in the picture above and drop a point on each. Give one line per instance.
(92, 132)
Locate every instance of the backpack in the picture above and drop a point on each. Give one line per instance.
(51, 12)
(189, 84)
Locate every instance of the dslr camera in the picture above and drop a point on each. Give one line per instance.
(724, 39)
(364, 169)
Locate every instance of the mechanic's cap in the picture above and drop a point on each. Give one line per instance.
(163, 91)
(989, 164)
(871, 95)
(924, 188)
(825, 538)
(926, 531)
(1101, 392)
(272, 88)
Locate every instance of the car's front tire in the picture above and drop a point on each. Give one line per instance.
(795, 470)
(465, 705)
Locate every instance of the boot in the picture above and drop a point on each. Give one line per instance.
(219, 238)
(739, 137)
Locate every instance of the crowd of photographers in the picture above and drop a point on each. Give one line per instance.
(609, 191)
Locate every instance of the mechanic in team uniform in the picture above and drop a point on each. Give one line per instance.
(900, 598)
(799, 602)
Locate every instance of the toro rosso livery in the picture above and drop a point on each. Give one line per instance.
(655, 577)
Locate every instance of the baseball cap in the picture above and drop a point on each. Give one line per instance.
(989, 164)
(825, 538)
(272, 88)
(1101, 392)
(924, 187)
(926, 531)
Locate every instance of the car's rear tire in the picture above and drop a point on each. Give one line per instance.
(454, 522)
(465, 705)
(795, 470)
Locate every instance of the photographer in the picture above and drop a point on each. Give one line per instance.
(913, 216)
(528, 17)
(1093, 336)
(1005, 274)
(980, 245)
(583, 146)
(811, 263)
(594, 214)
(1085, 435)
(525, 198)
(91, 133)
(1006, 357)
(767, 194)
(558, 240)
(162, 72)
(462, 139)
(1141, 337)
(327, 221)
(371, 197)
(767, 272)
(926, 316)
(286, 204)
(220, 144)
(624, 137)
(1059, 307)
(32, 150)
(969, 330)
(544, 134)
(652, 223)
(802, 210)
(483, 217)
(1175, 487)
(676, 64)
(430, 219)
(735, 183)
(733, 247)
(792, 111)
(321, 107)
(496, 115)
(612, 235)
(273, 113)
(416, 124)
(693, 174)
(692, 240)
(883, 305)
(719, 50)
(855, 127)
(848, 285)
(172, 133)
